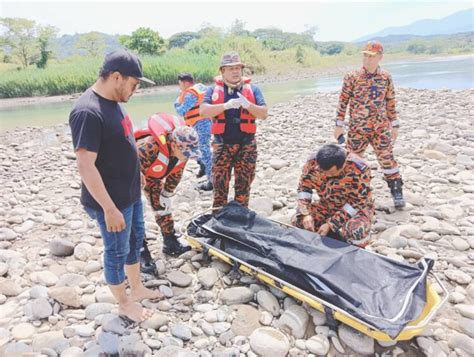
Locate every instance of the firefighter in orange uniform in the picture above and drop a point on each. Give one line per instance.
(345, 207)
(234, 104)
(164, 148)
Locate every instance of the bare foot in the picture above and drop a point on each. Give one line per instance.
(143, 293)
(134, 311)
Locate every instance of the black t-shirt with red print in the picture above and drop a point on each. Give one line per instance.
(102, 126)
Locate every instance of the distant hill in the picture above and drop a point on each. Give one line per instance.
(64, 46)
(461, 21)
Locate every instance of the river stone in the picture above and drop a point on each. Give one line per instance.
(460, 244)
(467, 326)
(430, 347)
(98, 308)
(181, 331)
(15, 349)
(66, 295)
(155, 322)
(84, 330)
(71, 279)
(7, 234)
(83, 251)
(115, 325)
(9, 287)
(246, 320)
(318, 345)
(179, 278)
(52, 339)
(44, 278)
(356, 341)
(236, 295)
(61, 247)
(458, 276)
(3, 269)
(461, 341)
(38, 309)
(294, 320)
(268, 302)
(266, 318)
(278, 164)
(207, 277)
(109, 343)
(465, 310)
(23, 331)
(267, 341)
(262, 205)
(175, 351)
(72, 352)
(103, 294)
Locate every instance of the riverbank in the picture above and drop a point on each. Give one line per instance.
(52, 293)
(272, 77)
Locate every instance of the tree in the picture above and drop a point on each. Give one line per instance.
(207, 30)
(19, 35)
(299, 55)
(416, 47)
(237, 28)
(331, 49)
(145, 41)
(45, 35)
(180, 39)
(92, 42)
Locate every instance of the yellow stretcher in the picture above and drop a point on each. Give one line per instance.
(433, 300)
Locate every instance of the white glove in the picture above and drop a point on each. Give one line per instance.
(165, 200)
(233, 104)
(244, 101)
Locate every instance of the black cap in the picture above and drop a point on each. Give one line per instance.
(184, 76)
(125, 63)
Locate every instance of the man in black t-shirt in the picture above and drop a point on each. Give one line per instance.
(107, 159)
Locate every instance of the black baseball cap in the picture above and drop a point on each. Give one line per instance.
(126, 63)
(185, 76)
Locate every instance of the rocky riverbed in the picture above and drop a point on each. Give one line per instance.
(53, 299)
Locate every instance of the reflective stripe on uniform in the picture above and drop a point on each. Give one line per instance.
(163, 158)
(304, 195)
(349, 209)
(178, 121)
(395, 123)
(164, 124)
(391, 171)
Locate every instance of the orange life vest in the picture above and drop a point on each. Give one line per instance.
(192, 116)
(159, 126)
(247, 120)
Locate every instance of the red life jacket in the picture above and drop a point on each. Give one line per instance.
(159, 126)
(192, 116)
(247, 120)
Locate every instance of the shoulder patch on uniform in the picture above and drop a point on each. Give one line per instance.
(162, 139)
(360, 163)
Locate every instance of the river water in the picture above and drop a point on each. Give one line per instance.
(438, 73)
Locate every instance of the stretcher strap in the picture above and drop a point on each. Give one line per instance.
(330, 320)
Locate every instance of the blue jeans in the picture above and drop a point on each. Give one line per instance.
(203, 128)
(123, 247)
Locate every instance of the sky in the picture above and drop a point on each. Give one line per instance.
(336, 20)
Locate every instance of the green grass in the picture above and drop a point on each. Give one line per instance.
(201, 57)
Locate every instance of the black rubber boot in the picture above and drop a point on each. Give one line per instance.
(147, 265)
(202, 170)
(172, 246)
(397, 192)
(206, 186)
